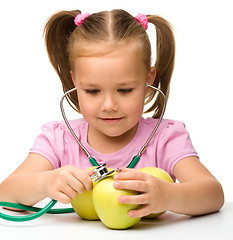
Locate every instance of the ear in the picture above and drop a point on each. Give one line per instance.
(73, 77)
(151, 76)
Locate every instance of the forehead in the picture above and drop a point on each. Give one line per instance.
(105, 49)
(105, 60)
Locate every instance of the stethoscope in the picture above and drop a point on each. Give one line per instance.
(101, 171)
(143, 148)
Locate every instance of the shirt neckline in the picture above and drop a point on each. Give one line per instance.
(103, 155)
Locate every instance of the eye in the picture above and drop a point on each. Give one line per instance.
(92, 91)
(125, 90)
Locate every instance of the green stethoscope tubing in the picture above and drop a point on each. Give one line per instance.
(39, 211)
(47, 209)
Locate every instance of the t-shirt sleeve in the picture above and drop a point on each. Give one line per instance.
(174, 144)
(50, 143)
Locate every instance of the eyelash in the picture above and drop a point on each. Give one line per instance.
(123, 91)
(92, 91)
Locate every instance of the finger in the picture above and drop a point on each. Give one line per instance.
(144, 211)
(70, 191)
(77, 186)
(62, 198)
(136, 185)
(86, 181)
(81, 176)
(74, 183)
(134, 199)
(90, 172)
(130, 174)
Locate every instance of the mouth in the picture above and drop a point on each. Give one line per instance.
(112, 120)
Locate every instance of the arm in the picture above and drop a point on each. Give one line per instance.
(197, 193)
(35, 180)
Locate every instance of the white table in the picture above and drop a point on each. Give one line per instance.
(169, 226)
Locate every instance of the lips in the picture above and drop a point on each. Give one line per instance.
(111, 120)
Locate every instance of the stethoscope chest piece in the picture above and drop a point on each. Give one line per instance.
(101, 172)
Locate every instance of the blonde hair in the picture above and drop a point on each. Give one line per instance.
(62, 36)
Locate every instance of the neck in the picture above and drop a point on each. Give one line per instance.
(106, 144)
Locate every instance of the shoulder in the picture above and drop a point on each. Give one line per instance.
(60, 127)
(168, 130)
(172, 137)
(166, 125)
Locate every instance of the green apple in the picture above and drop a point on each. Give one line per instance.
(83, 204)
(110, 211)
(159, 173)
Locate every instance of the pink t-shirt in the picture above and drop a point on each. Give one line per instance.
(170, 144)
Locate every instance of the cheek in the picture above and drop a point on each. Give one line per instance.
(135, 106)
(85, 105)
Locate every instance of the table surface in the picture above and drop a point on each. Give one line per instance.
(170, 225)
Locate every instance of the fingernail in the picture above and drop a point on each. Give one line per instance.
(116, 176)
(116, 184)
(131, 214)
(121, 199)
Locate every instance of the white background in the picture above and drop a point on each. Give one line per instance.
(201, 93)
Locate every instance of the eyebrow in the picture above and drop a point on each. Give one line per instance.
(127, 83)
(90, 84)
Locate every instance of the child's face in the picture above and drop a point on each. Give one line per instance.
(111, 90)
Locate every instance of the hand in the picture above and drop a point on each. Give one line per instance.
(64, 183)
(153, 191)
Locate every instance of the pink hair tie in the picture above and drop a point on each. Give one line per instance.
(80, 18)
(142, 18)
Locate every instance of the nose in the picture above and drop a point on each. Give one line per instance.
(109, 104)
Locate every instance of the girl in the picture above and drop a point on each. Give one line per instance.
(107, 57)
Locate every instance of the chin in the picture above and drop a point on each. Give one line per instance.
(118, 134)
(114, 134)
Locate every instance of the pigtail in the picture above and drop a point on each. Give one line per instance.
(57, 32)
(164, 62)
